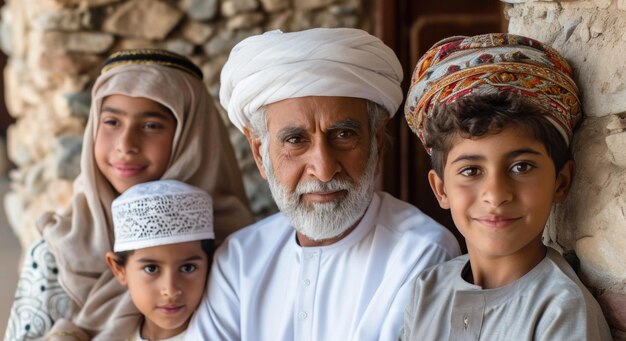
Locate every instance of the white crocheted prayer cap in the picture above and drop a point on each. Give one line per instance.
(160, 213)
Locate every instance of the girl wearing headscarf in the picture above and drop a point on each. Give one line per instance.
(65, 288)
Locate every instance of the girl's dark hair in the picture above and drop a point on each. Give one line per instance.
(479, 115)
(208, 246)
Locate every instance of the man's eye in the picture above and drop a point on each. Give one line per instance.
(151, 269)
(521, 167)
(294, 139)
(469, 171)
(345, 134)
(188, 268)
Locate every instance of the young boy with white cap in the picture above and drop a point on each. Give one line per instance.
(163, 246)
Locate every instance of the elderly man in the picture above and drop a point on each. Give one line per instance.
(337, 261)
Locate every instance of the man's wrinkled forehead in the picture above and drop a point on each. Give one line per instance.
(316, 113)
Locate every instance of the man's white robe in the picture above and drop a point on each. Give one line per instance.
(264, 286)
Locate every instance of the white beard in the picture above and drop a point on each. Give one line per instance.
(322, 221)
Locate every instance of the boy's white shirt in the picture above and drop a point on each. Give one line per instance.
(137, 336)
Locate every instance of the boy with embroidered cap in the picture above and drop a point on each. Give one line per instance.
(496, 113)
(163, 245)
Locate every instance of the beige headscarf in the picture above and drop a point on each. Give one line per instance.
(201, 156)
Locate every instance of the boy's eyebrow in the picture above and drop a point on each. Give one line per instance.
(468, 157)
(150, 260)
(188, 259)
(154, 114)
(147, 260)
(510, 155)
(522, 151)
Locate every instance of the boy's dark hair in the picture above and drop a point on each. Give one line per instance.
(479, 115)
(208, 246)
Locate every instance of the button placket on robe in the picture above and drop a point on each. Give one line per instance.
(466, 322)
(306, 294)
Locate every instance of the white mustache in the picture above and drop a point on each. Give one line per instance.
(333, 185)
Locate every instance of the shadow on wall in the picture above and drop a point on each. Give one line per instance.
(9, 245)
(9, 258)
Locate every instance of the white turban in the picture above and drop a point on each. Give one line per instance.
(341, 62)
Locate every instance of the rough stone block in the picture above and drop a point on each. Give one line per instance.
(584, 33)
(148, 19)
(312, 4)
(13, 30)
(326, 19)
(225, 40)
(75, 104)
(616, 140)
(14, 78)
(212, 68)
(132, 43)
(587, 39)
(67, 62)
(196, 32)
(30, 9)
(281, 20)
(89, 3)
(85, 42)
(179, 46)
(589, 4)
(231, 8)
(18, 151)
(274, 5)
(344, 10)
(202, 9)
(65, 157)
(596, 29)
(33, 178)
(350, 21)
(244, 21)
(302, 20)
(64, 20)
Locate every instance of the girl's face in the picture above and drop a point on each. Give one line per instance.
(133, 141)
(166, 284)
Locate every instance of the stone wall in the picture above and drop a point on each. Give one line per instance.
(55, 48)
(591, 35)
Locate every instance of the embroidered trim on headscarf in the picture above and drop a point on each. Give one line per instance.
(151, 56)
(498, 62)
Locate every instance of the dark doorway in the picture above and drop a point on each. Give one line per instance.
(411, 27)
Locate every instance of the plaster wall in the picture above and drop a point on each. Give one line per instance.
(591, 35)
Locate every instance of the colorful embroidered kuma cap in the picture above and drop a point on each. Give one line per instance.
(458, 67)
(160, 213)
